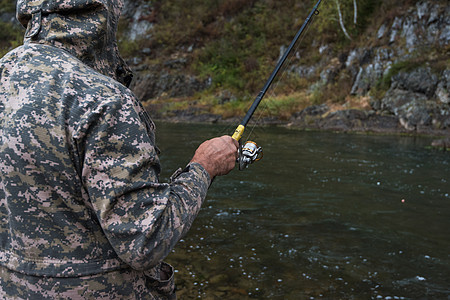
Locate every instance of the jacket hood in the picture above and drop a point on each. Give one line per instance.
(85, 28)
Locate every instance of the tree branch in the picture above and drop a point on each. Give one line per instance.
(341, 21)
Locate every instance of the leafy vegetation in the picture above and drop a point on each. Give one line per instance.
(238, 42)
(11, 35)
(7, 6)
(354, 20)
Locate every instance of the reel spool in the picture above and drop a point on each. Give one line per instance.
(249, 153)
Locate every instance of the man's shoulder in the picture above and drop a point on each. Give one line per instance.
(61, 61)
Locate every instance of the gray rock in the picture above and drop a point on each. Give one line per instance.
(396, 26)
(409, 33)
(361, 85)
(138, 14)
(396, 99)
(422, 9)
(381, 31)
(444, 37)
(328, 75)
(443, 87)
(414, 114)
(434, 14)
(380, 60)
(154, 84)
(353, 57)
(304, 71)
(310, 116)
(314, 110)
(441, 143)
(420, 80)
(358, 120)
(415, 111)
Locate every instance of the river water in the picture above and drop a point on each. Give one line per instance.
(321, 216)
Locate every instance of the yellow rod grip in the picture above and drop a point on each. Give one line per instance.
(238, 132)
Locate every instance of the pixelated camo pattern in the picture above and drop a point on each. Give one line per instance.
(86, 28)
(82, 211)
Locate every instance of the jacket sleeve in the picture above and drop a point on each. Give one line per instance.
(142, 218)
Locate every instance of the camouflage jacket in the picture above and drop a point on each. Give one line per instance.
(79, 188)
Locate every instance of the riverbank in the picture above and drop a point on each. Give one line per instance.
(320, 118)
(392, 79)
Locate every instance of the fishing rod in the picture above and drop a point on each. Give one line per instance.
(250, 151)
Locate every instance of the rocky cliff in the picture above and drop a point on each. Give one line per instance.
(402, 59)
(399, 72)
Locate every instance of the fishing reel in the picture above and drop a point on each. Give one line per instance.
(248, 154)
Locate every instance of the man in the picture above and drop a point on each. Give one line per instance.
(82, 213)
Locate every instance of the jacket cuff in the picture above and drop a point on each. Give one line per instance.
(195, 168)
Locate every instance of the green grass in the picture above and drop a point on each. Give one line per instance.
(233, 108)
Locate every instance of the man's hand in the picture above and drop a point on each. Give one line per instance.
(218, 156)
